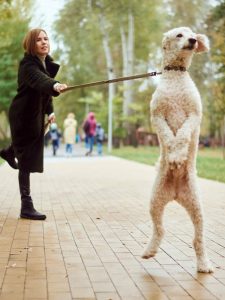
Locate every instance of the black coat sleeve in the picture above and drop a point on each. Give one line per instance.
(36, 79)
(49, 107)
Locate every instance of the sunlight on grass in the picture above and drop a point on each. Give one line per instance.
(210, 162)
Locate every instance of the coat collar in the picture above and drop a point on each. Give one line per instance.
(51, 67)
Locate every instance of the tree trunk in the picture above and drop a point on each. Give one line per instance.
(111, 75)
(128, 69)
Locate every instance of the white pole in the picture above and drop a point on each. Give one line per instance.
(110, 116)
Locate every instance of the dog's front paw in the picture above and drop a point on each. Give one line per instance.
(205, 267)
(182, 154)
(174, 161)
(177, 158)
(172, 158)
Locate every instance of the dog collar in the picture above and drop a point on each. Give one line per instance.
(171, 68)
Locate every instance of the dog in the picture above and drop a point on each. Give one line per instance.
(176, 113)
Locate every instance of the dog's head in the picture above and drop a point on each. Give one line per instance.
(183, 40)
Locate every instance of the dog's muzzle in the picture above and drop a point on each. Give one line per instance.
(191, 44)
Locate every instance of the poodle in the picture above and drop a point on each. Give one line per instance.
(176, 113)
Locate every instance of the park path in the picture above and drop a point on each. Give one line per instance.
(97, 226)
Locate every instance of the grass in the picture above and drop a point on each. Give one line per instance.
(210, 162)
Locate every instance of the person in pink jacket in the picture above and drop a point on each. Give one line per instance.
(90, 130)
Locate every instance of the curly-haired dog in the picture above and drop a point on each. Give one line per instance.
(176, 112)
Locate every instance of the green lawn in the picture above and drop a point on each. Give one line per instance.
(210, 163)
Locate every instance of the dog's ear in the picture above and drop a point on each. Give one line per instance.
(203, 43)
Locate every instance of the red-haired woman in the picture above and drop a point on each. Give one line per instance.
(36, 86)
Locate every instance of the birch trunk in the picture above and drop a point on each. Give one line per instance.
(111, 75)
(128, 67)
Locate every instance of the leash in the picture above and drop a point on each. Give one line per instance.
(47, 127)
(73, 87)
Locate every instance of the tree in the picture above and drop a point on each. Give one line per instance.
(216, 29)
(13, 26)
(107, 38)
(81, 52)
(106, 29)
(110, 70)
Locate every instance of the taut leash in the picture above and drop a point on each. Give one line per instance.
(47, 127)
(73, 87)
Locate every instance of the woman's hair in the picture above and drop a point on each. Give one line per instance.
(30, 39)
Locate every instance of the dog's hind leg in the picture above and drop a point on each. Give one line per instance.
(157, 204)
(189, 199)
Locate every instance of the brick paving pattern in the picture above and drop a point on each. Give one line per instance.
(97, 226)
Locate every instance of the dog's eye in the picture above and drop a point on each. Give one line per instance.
(179, 35)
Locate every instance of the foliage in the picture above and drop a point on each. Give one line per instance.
(216, 29)
(13, 25)
(80, 55)
(83, 55)
(186, 13)
(118, 130)
(93, 100)
(140, 114)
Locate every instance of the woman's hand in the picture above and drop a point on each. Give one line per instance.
(59, 87)
(51, 118)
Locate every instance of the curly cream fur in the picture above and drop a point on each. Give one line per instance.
(176, 113)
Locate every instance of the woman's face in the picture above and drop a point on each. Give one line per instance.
(42, 44)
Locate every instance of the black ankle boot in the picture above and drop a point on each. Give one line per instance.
(28, 211)
(27, 208)
(9, 156)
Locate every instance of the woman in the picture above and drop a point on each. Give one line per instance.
(70, 126)
(33, 101)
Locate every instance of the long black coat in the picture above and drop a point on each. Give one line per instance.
(28, 109)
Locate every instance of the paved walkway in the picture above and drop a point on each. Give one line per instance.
(97, 227)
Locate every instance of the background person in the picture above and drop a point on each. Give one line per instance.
(55, 136)
(32, 102)
(89, 128)
(70, 126)
(99, 138)
(85, 128)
